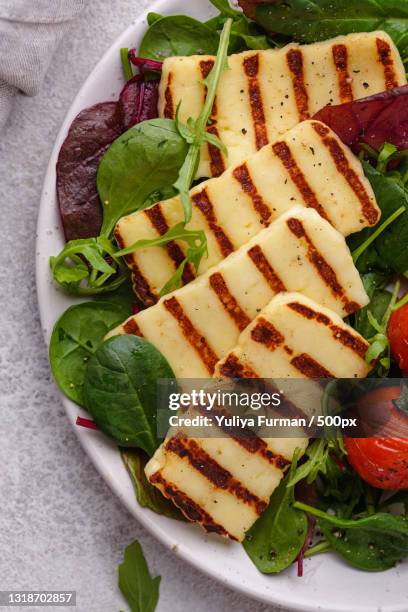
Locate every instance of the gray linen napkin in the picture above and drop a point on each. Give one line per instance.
(30, 31)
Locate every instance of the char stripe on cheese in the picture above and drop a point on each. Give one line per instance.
(242, 175)
(141, 286)
(282, 150)
(294, 58)
(326, 272)
(190, 509)
(217, 165)
(251, 68)
(219, 286)
(132, 328)
(340, 58)
(197, 340)
(265, 333)
(252, 443)
(258, 258)
(203, 203)
(233, 368)
(385, 57)
(353, 341)
(157, 219)
(309, 367)
(370, 212)
(169, 110)
(207, 466)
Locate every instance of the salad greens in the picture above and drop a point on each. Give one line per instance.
(140, 590)
(120, 390)
(373, 543)
(147, 495)
(177, 35)
(310, 21)
(76, 336)
(277, 537)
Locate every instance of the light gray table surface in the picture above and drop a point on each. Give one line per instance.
(60, 525)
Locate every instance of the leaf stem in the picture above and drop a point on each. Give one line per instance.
(126, 65)
(320, 547)
(363, 247)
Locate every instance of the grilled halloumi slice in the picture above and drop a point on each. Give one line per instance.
(265, 93)
(197, 325)
(296, 337)
(308, 166)
(225, 483)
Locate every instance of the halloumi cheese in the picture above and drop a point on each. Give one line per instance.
(309, 166)
(224, 483)
(296, 337)
(265, 93)
(197, 325)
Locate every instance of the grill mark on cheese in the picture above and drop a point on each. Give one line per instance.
(258, 258)
(221, 478)
(204, 205)
(309, 367)
(230, 304)
(168, 111)
(217, 164)
(131, 327)
(283, 152)
(231, 367)
(142, 287)
(242, 175)
(189, 508)
(357, 344)
(294, 60)
(340, 58)
(323, 268)
(369, 211)
(247, 439)
(195, 338)
(158, 221)
(265, 333)
(385, 58)
(251, 69)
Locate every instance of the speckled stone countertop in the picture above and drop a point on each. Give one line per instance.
(60, 525)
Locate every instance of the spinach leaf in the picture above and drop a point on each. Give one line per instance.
(309, 21)
(140, 590)
(379, 301)
(389, 252)
(373, 543)
(75, 337)
(144, 159)
(120, 390)
(277, 537)
(147, 495)
(178, 35)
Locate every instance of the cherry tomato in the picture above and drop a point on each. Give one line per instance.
(382, 462)
(398, 337)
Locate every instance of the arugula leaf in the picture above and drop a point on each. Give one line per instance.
(277, 537)
(76, 336)
(120, 390)
(143, 160)
(380, 298)
(373, 543)
(318, 454)
(177, 35)
(310, 21)
(225, 8)
(147, 495)
(140, 590)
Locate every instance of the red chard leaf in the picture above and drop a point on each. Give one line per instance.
(373, 120)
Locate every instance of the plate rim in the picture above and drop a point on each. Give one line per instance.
(147, 518)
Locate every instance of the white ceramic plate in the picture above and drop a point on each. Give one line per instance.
(328, 584)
